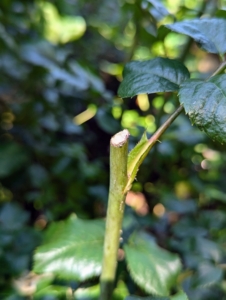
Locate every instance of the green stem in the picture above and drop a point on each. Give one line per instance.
(164, 126)
(221, 67)
(115, 211)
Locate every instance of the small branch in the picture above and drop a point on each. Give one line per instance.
(164, 126)
(221, 67)
(116, 203)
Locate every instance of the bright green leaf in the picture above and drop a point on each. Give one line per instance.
(152, 268)
(152, 76)
(121, 291)
(135, 159)
(42, 282)
(210, 34)
(61, 29)
(205, 103)
(72, 249)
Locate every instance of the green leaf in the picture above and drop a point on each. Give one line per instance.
(72, 249)
(42, 282)
(152, 268)
(121, 291)
(210, 34)
(135, 159)
(205, 103)
(152, 76)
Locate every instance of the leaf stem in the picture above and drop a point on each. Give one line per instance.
(115, 211)
(154, 138)
(221, 67)
(139, 152)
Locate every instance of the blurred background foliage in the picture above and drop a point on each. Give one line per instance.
(61, 64)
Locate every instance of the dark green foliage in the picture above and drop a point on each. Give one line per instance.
(52, 166)
(205, 103)
(157, 75)
(17, 241)
(209, 33)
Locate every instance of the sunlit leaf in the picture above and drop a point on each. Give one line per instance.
(152, 76)
(72, 249)
(152, 268)
(205, 103)
(210, 34)
(61, 28)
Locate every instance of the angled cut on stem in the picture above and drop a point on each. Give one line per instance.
(115, 211)
(120, 183)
